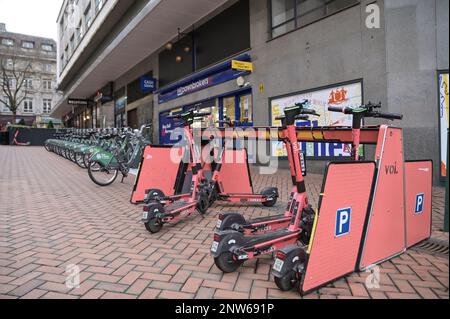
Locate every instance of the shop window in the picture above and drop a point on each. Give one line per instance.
(209, 121)
(210, 106)
(288, 15)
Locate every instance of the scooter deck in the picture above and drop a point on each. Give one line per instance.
(264, 238)
(269, 219)
(178, 206)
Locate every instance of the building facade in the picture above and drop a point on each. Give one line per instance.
(34, 61)
(140, 61)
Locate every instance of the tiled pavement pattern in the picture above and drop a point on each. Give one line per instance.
(52, 215)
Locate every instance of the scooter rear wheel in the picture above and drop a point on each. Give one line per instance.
(227, 263)
(153, 226)
(287, 282)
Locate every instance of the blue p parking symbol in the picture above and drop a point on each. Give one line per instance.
(343, 220)
(419, 203)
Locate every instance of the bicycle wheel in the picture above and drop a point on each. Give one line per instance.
(79, 159)
(102, 176)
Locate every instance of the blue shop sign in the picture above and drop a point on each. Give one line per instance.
(148, 84)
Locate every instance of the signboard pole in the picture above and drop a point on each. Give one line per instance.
(446, 194)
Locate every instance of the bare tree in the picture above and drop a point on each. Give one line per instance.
(14, 74)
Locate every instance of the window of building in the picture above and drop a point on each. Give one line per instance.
(8, 63)
(72, 44)
(66, 55)
(47, 106)
(61, 27)
(11, 83)
(98, 5)
(28, 83)
(47, 47)
(120, 99)
(28, 106)
(28, 45)
(47, 84)
(4, 108)
(88, 16)
(47, 67)
(288, 15)
(79, 31)
(8, 42)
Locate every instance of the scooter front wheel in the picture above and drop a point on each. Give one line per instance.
(227, 263)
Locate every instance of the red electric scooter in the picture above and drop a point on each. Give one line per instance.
(290, 263)
(231, 248)
(365, 111)
(237, 222)
(16, 142)
(155, 214)
(268, 196)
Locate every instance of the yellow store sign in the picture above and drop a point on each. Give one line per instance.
(242, 66)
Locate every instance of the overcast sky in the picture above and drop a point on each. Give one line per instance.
(33, 17)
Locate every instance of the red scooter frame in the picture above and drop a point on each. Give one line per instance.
(155, 214)
(268, 196)
(232, 248)
(237, 222)
(290, 263)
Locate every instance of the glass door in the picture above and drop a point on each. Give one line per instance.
(238, 108)
(229, 109)
(246, 110)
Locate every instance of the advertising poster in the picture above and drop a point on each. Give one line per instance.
(444, 120)
(167, 128)
(344, 95)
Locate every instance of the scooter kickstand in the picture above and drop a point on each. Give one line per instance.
(256, 265)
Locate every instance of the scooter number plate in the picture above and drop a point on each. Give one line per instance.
(278, 265)
(219, 224)
(145, 216)
(215, 247)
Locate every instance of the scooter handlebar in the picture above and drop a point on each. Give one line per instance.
(389, 116)
(338, 109)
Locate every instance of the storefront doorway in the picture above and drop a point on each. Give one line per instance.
(234, 106)
(133, 121)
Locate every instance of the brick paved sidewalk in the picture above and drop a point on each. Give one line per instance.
(52, 215)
